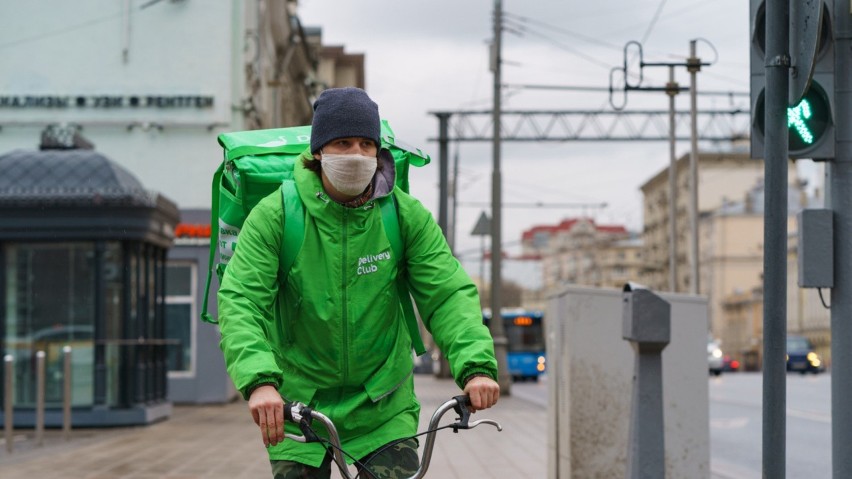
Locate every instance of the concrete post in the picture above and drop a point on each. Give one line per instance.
(646, 323)
(66, 392)
(8, 409)
(39, 412)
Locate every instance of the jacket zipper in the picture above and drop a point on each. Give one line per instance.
(345, 301)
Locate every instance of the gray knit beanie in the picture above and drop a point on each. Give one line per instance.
(344, 112)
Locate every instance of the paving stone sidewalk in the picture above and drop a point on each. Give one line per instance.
(220, 441)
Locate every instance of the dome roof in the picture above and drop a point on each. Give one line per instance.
(68, 177)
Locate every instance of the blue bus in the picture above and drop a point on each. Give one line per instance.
(525, 334)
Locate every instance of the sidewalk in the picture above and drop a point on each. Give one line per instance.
(221, 441)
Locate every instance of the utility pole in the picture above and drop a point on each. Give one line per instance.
(443, 120)
(693, 65)
(496, 324)
(672, 90)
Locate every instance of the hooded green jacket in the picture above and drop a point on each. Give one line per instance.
(334, 337)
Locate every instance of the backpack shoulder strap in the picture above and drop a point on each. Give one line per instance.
(214, 242)
(390, 218)
(294, 226)
(391, 221)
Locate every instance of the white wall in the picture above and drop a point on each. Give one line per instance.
(61, 49)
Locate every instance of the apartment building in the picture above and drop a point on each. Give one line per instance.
(722, 178)
(741, 330)
(579, 251)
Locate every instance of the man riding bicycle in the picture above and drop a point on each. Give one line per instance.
(332, 333)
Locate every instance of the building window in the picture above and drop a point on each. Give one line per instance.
(180, 314)
(50, 303)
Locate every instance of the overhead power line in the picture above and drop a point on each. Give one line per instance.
(61, 31)
(521, 30)
(533, 205)
(653, 21)
(563, 31)
(606, 89)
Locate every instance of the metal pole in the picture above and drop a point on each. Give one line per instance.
(693, 65)
(671, 91)
(454, 193)
(66, 392)
(8, 410)
(840, 198)
(443, 171)
(482, 261)
(443, 174)
(775, 240)
(496, 324)
(39, 423)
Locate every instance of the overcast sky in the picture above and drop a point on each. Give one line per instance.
(429, 56)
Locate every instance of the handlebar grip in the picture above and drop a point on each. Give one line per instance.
(288, 413)
(302, 415)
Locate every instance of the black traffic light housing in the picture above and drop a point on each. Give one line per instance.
(811, 122)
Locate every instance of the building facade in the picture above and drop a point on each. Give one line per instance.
(730, 228)
(579, 251)
(151, 85)
(722, 178)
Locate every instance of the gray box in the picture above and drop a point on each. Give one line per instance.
(590, 377)
(816, 248)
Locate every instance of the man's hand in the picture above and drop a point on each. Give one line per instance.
(483, 392)
(267, 409)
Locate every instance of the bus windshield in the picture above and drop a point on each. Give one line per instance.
(525, 338)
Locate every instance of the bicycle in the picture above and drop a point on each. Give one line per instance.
(302, 415)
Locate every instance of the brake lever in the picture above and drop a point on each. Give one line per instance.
(301, 414)
(463, 421)
(486, 421)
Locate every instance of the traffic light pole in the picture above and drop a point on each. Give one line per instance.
(840, 198)
(775, 239)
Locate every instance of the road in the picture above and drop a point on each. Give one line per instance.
(736, 423)
(736, 426)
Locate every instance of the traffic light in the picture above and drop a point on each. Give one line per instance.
(811, 121)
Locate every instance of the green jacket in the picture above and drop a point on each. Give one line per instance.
(335, 337)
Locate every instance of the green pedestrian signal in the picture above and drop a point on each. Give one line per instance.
(797, 120)
(808, 122)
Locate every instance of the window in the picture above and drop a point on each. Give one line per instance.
(540, 239)
(50, 303)
(180, 315)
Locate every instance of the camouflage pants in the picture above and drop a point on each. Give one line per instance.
(396, 462)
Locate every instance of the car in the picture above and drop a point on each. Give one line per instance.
(731, 364)
(715, 358)
(801, 356)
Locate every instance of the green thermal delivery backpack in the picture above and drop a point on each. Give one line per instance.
(258, 162)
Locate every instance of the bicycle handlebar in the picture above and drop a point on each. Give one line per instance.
(303, 416)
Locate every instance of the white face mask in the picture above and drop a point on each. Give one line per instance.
(349, 174)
